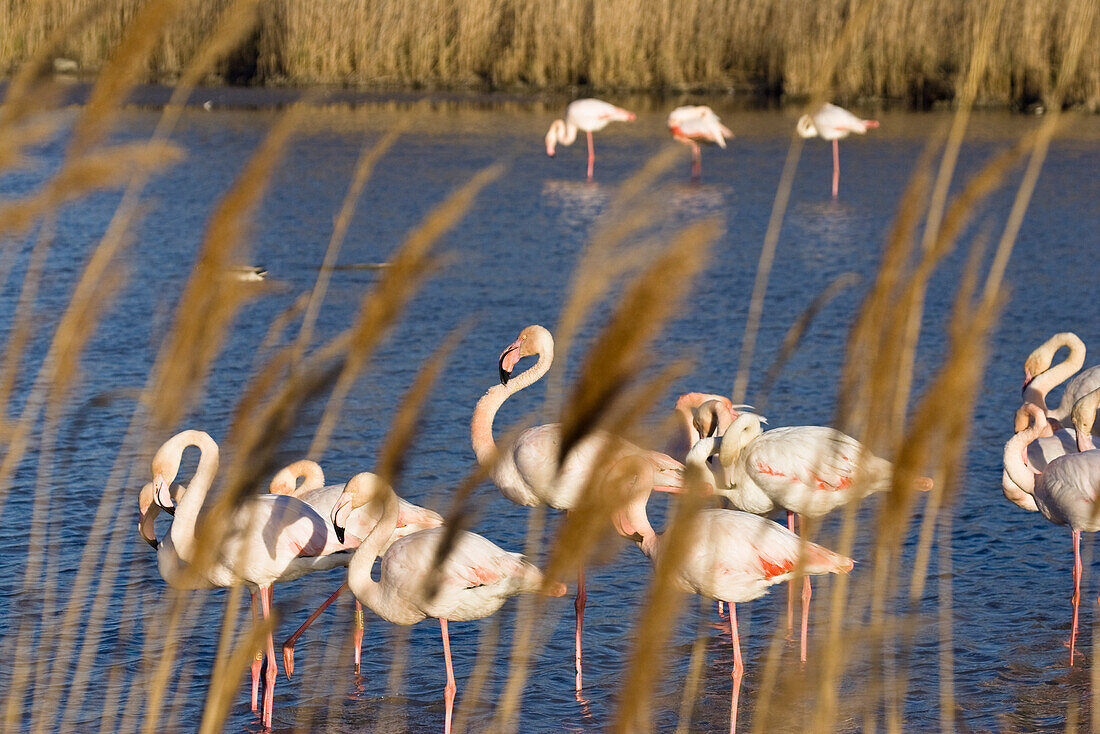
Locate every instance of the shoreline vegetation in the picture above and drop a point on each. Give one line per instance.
(910, 52)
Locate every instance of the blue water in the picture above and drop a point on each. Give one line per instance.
(509, 263)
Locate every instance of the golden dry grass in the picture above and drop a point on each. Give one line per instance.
(913, 50)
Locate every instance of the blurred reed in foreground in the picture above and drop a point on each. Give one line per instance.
(913, 50)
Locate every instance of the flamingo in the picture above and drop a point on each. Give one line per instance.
(268, 538)
(1039, 453)
(830, 122)
(1065, 492)
(528, 472)
(693, 125)
(590, 115)
(733, 557)
(472, 581)
(1040, 378)
(704, 414)
(411, 518)
(805, 470)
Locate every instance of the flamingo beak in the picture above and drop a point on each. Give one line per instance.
(145, 529)
(508, 359)
(161, 493)
(1028, 377)
(340, 512)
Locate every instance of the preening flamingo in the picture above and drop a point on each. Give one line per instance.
(805, 470)
(733, 557)
(267, 538)
(472, 581)
(693, 125)
(1040, 378)
(590, 115)
(704, 414)
(1040, 452)
(1065, 493)
(830, 122)
(527, 471)
(357, 525)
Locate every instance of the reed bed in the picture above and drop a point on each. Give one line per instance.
(640, 278)
(914, 50)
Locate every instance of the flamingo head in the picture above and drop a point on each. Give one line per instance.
(162, 493)
(806, 128)
(627, 486)
(713, 418)
(744, 429)
(146, 518)
(362, 489)
(553, 135)
(533, 340)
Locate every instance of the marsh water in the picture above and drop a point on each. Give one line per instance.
(509, 264)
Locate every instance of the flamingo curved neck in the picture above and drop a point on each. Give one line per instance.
(188, 508)
(365, 588)
(1052, 377)
(565, 131)
(1015, 460)
(806, 128)
(481, 425)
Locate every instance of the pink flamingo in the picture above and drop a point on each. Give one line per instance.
(1040, 378)
(590, 115)
(527, 471)
(805, 470)
(733, 557)
(268, 538)
(704, 414)
(1065, 493)
(693, 125)
(358, 524)
(472, 581)
(1040, 452)
(830, 122)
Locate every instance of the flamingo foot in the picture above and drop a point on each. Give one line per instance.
(578, 606)
(288, 659)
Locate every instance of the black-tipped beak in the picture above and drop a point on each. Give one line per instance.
(504, 374)
(339, 533)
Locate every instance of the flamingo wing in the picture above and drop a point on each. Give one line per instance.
(290, 524)
(813, 456)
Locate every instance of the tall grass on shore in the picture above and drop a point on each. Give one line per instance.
(65, 611)
(912, 50)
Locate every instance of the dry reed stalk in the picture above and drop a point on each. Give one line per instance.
(483, 664)
(227, 673)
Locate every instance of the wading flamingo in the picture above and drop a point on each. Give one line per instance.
(830, 122)
(732, 557)
(805, 470)
(1065, 493)
(527, 471)
(267, 538)
(472, 581)
(590, 115)
(693, 125)
(1040, 378)
(410, 519)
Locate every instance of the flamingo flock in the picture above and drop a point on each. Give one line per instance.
(696, 125)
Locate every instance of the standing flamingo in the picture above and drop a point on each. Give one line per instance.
(1065, 493)
(805, 470)
(472, 581)
(410, 519)
(830, 122)
(528, 472)
(1040, 378)
(268, 538)
(590, 115)
(732, 557)
(693, 125)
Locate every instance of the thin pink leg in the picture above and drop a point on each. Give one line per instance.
(257, 659)
(696, 163)
(836, 168)
(591, 156)
(790, 585)
(1076, 590)
(738, 668)
(805, 614)
(578, 605)
(358, 634)
(449, 691)
(270, 672)
(288, 646)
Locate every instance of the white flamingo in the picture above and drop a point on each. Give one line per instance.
(1065, 492)
(472, 581)
(1084, 419)
(267, 538)
(732, 557)
(527, 471)
(805, 470)
(693, 125)
(313, 491)
(1040, 378)
(830, 122)
(590, 115)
